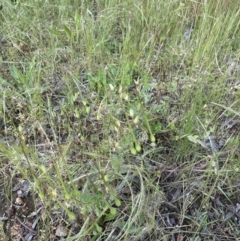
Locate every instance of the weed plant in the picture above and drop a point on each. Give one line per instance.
(105, 108)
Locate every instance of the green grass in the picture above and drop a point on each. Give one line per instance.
(104, 108)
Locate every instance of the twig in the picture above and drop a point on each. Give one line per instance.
(25, 226)
(3, 218)
(177, 170)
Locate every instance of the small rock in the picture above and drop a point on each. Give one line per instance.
(20, 193)
(221, 143)
(61, 231)
(26, 187)
(19, 201)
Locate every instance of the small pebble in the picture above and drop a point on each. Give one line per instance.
(61, 231)
(20, 193)
(221, 143)
(19, 201)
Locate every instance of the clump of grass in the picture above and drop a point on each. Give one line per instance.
(105, 106)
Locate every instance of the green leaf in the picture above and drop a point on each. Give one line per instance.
(67, 195)
(99, 229)
(76, 18)
(113, 210)
(138, 147)
(76, 193)
(157, 127)
(110, 216)
(117, 202)
(14, 72)
(71, 215)
(68, 31)
(133, 151)
(152, 138)
(86, 198)
(193, 138)
(106, 178)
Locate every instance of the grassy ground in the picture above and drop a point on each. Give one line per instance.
(122, 117)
